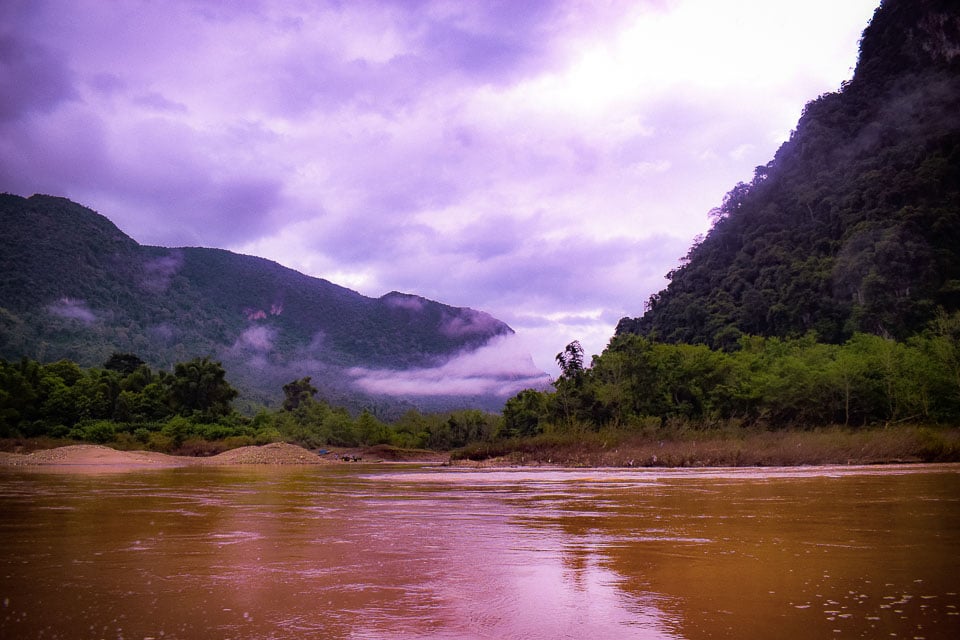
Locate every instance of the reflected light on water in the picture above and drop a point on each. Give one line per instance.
(407, 552)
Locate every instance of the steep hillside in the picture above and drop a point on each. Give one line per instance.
(75, 286)
(855, 223)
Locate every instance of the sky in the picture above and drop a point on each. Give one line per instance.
(544, 161)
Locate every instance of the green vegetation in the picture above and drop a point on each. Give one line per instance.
(772, 383)
(854, 226)
(127, 405)
(125, 402)
(773, 401)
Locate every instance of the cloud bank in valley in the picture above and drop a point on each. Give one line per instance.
(546, 162)
(501, 367)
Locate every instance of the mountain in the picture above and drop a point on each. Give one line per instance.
(855, 223)
(75, 286)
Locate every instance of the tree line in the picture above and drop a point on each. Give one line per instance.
(768, 382)
(189, 410)
(635, 385)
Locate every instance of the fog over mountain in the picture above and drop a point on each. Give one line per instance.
(77, 287)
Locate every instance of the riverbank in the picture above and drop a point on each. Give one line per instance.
(670, 448)
(718, 447)
(91, 455)
(81, 456)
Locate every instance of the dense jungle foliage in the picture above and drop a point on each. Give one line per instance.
(854, 226)
(772, 383)
(127, 404)
(636, 386)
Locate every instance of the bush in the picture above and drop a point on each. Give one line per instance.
(217, 431)
(234, 442)
(177, 429)
(161, 442)
(96, 431)
(266, 436)
(126, 442)
(199, 448)
(938, 445)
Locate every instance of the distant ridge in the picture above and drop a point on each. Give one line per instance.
(75, 286)
(855, 223)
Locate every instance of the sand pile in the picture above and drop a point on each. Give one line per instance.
(91, 455)
(275, 453)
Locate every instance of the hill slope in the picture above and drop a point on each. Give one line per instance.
(75, 286)
(855, 223)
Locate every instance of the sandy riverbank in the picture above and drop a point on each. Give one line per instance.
(830, 446)
(90, 455)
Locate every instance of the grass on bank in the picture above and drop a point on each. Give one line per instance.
(724, 446)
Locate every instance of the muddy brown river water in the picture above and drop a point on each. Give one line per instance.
(406, 552)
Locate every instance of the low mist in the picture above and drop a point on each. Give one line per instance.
(502, 367)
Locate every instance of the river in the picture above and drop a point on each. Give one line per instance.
(406, 552)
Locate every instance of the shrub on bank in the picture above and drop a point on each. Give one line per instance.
(723, 446)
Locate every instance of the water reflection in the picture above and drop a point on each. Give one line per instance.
(377, 552)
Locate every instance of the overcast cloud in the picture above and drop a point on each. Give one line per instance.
(545, 161)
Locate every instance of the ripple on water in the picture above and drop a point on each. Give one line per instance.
(234, 537)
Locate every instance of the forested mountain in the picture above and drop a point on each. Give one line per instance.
(854, 226)
(74, 286)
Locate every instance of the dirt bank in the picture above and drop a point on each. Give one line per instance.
(88, 456)
(719, 448)
(91, 455)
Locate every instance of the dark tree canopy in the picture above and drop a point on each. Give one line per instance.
(297, 393)
(123, 363)
(570, 359)
(200, 387)
(854, 226)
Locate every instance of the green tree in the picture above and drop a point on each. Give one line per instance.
(341, 428)
(200, 387)
(177, 429)
(943, 348)
(19, 395)
(571, 402)
(371, 431)
(523, 414)
(297, 392)
(470, 425)
(123, 363)
(847, 373)
(411, 430)
(571, 360)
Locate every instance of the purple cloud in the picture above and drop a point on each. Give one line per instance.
(156, 101)
(546, 161)
(469, 322)
(35, 78)
(256, 338)
(401, 301)
(159, 272)
(502, 367)
(73, 310)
